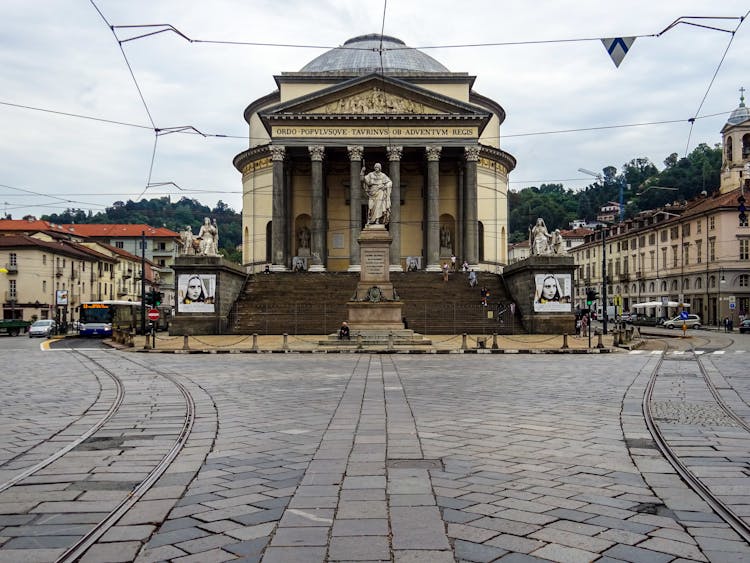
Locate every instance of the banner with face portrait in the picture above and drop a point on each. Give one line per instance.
(552, 293)
(196, 293)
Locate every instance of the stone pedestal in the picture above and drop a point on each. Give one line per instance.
(523, 280)
(375, 304)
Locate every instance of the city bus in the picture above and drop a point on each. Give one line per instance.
(98, 318)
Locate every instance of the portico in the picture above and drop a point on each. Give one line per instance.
(435, 138)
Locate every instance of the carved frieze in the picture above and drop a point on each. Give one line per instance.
(375, 101)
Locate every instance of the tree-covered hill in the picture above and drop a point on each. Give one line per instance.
(689, 176)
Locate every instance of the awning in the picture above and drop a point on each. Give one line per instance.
(654, 304)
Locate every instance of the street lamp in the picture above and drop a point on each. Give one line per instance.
(718, 303)
(601, 179)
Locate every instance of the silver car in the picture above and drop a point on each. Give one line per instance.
(44, 328)
(692, 321)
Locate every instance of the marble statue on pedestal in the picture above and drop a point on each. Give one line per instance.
(377, 185)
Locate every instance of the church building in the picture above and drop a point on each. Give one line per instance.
(374, 100)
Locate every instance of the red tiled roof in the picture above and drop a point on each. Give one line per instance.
(118, 230)
(25, 241)
(578, 232)
(21, 225)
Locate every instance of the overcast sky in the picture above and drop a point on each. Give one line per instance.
(60, 56)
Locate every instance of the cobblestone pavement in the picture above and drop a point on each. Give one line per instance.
(366, 457)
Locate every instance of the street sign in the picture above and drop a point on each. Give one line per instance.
(684, 315)
(153, 314)
(732, 305)
(618, 47)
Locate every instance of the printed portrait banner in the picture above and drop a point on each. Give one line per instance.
(196, 293)
(552, 293)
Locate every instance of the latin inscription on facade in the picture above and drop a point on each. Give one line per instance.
(387, 132)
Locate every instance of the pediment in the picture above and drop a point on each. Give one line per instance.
(375, 95)
(375, 101)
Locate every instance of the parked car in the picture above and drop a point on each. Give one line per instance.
(692, 321)
(627, 317)
(745, 326)
(44, 328)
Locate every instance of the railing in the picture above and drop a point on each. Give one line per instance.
(59, 271)
(12, 268)
(11, 296)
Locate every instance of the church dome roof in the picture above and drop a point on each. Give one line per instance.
(739, 115)
(362, 55)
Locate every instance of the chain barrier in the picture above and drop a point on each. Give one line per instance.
(220, 345)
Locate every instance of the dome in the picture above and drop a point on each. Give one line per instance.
(740, 115)
(360, 55)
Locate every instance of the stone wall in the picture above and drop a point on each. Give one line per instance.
(230, 279)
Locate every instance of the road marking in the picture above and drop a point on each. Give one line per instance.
(718, 352)
(636, 351)
(678, 353)
(699, 352)
(656, 352)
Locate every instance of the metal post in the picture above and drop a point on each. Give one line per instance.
(463, 341)
(494, 341)
(285, 346)
(255, 341)
(143, 284)
(565, 342)
(604, 280)
(185, 345)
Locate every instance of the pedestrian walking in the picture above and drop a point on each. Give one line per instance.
(445, 271)
(453, 263)
(472, 278)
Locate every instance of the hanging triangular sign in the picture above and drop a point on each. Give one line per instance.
(618, 47)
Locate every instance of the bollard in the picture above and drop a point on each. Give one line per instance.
(600, 344)
(255, 341)
(285, 346)
(494, 341)
(185, 344)
(390, 340)
(359, 340)
(463, 341)
(565, 342)
(147, 344)
(131, 339)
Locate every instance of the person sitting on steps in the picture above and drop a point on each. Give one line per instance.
(344, 331)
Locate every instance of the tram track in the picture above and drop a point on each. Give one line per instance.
(147, 418)
(114, 407)
(721, 508)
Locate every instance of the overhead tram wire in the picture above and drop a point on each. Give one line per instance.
(716, 72)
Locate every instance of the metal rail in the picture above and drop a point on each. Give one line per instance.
(719, 507)
(114, 407)
(78, 549)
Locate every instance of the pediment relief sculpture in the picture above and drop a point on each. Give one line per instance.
(375, 101)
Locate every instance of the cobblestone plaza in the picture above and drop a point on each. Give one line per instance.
(370, 457)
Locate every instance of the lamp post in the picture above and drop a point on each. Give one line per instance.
(718, 301)
(604, 279)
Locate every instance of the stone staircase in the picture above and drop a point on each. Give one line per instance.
(315, 303)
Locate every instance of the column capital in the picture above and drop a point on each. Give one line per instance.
(355, 152)
(471, 153)
(278, 152)
(433, 152)
(316, 152)
(394, 152)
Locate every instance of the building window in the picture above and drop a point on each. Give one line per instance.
(651, 287)
(13, 259)
(698, 251)
(674, 256)
(162, 263)
(652, 256)
(711, 249)
(744, 249)
(711, 223)
(663, 257)
(119, 244)
(12, 289)
(744, 280)
(652, 239)
(686, 230)
(142, 244)
(686, 253)
(162, 246)
(698, 227)
(663, 235)
(44, 259)
(44, 286)
(743, 222)
(698, 283)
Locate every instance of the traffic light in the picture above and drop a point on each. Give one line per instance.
(148, 298)
(743, 210)
(158, 296)
(591, 295)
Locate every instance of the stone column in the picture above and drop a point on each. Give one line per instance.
(318, 234)
(432, 226)
(279, 243)
(471, 223)
(394, 227)
(355, 205)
